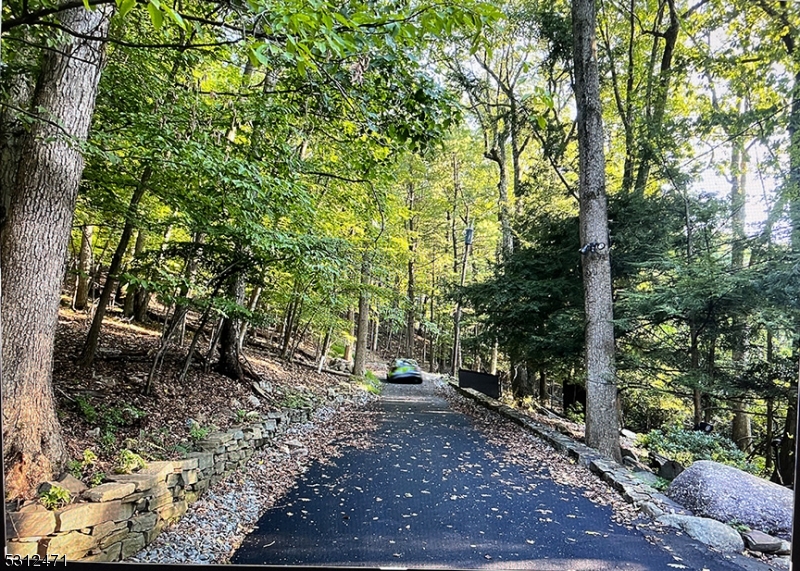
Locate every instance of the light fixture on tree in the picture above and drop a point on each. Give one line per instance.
(592, 248)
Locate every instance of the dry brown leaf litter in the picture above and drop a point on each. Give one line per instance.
(521, 448)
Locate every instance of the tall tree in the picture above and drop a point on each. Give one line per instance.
(602, 425)
(360, 358)
(34, 242)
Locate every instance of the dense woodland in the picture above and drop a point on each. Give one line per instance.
(312, 168)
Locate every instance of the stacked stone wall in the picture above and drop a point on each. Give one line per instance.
(116, 519)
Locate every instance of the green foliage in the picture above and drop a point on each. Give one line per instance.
(86, 409)
(79, 468)
(371, 383)
(337, 350)
(96, 479)
(89, 457)
(107, 440)
(56, 497)
(198, 432)
(687, 446)
(661, 484)
(110, 418)
(296, 399)
(739, 526)
(75, 468)
(575, 412)
(127, 462)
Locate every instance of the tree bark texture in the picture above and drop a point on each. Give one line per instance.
(348, 347)
(141, 297)
(360, 359)
(33, 248)
(251, 305)
(784, 469)
(498, 155)
(19, 92)
(229, 364)
(741, 431)
(602, 425)
(85, 260)
(411, 294)
(132, 292)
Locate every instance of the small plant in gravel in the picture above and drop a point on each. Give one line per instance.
(739, 526)
(128, 461)
(241, 414)
(55, 497)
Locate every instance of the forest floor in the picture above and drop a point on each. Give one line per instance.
(103, 408)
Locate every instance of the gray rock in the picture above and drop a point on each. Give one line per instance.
(253, 401)
(71, 483)
(651, 509)
(711, 532)
(780, 563)
(727, 494)
(664, 467)
(786, 548)
(759, 541)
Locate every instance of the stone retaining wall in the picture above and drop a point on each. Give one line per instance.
(118, 518)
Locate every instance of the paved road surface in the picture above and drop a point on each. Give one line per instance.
(432, 493)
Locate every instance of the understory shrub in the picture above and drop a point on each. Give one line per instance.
(687, 446)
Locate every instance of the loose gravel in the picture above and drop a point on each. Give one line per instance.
(216, 523)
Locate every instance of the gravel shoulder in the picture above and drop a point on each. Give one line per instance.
(215, 524)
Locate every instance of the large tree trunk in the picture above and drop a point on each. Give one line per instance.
(92, 339)
(131, 291)
(85, 260)
(33, 248)
(786, 457)
(141, 297)
(360, 359)
(19, 92)
(741, 432)
(498, 155)
(602, 425)
(544, 398)
(251, 305)
(411, 294)
(229, 364)
(348, 347)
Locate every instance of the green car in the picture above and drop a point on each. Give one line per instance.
(405, 371)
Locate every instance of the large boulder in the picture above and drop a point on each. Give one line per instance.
(709, 531)
(731, 495)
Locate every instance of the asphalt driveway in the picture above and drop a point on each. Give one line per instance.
(432, 493)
